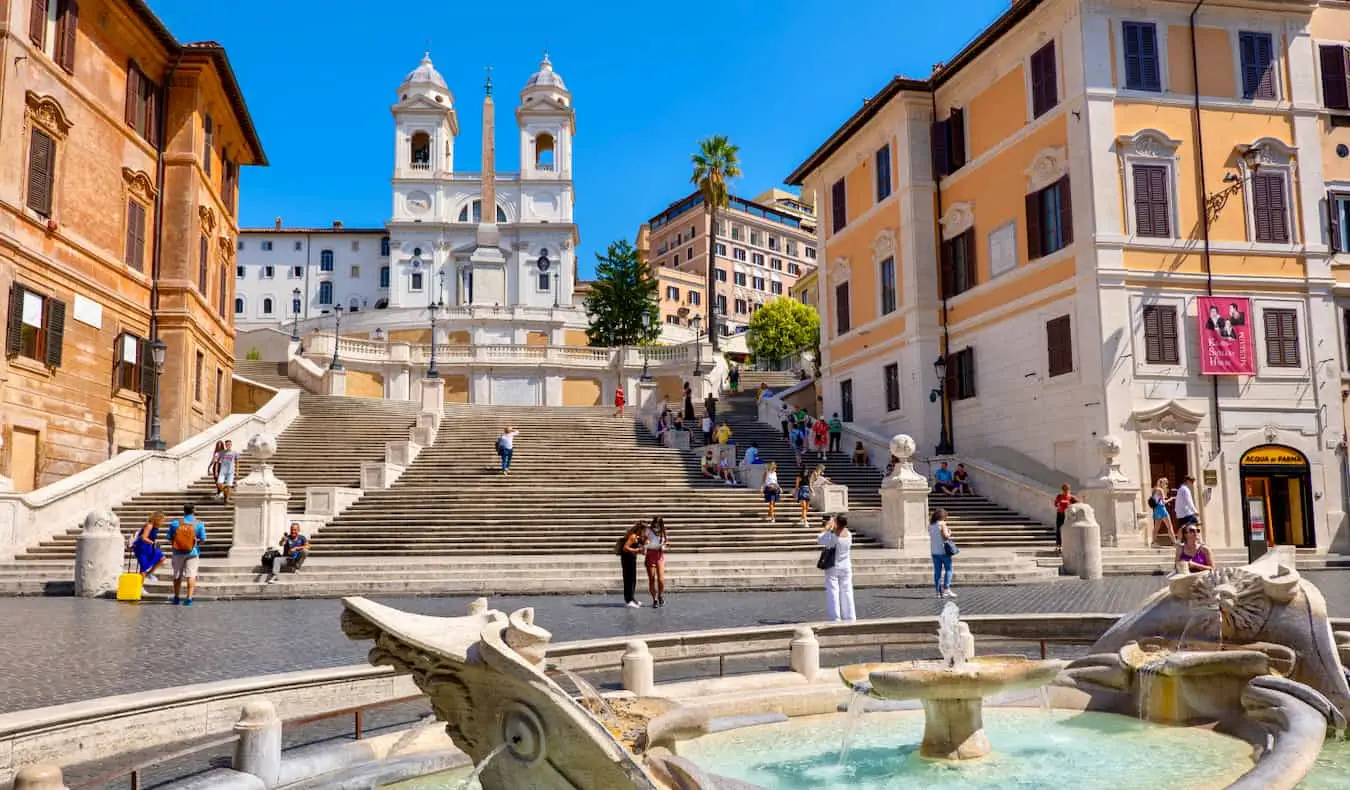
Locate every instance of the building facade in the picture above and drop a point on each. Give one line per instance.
(119, 174)
(1097, 177)
(763, 246)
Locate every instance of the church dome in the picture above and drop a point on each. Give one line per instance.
(546, 77)
(425, 73)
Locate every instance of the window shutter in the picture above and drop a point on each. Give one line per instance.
(141, 228)
(1271, 319)
(1033, 226)
(1152, 335)
(956, 139)
(1058, 346)
(1133, 73)
(941, 157)
(841, 308)
(40, 160)
(945, 279)
(147, 362)
(1261, 75)
(133, 94)
(14, 320)
(1335, 89)
(968, 262)
(37, 22)
(1065, 211)
(1251, 71)
(151, 91)
(56, 331)
(1149, 77)
(1261, 209)
(1334, 241)
(1279, 215)
(1143, 209)
(1159, 201)
(1167, 331)
(65, 35)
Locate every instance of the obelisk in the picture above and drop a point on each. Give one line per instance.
(487, 262)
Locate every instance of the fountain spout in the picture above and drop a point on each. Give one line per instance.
(955, 642)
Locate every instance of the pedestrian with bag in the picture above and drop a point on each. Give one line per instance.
(145, 547)
(836, 544)
(186, 536)
(771, 490)
(628, 548)
(1063, 499)
(656, 543)
(943, 548)
(506, 444)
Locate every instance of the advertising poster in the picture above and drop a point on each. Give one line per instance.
(1226, 347)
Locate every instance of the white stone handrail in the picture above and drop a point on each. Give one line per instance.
(308, 375)
(27, 519)
(878, 447)
(353, 350)
(1010, 489)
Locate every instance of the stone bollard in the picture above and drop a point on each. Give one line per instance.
(39, 777)
(98, 554)
(804, 653)
(637, 671)
(1082, 542)
(258, 750)
(904, 502)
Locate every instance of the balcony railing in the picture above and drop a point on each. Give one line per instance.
(420, 166)
(377, 352)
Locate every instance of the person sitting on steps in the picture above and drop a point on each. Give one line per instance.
(961, 479)
(708, 466)
(943, 480)
(294, 549)
(859, 455)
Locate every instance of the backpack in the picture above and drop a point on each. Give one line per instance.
(501, 445)
(184, 535)
(1153, 502)
(618, 547)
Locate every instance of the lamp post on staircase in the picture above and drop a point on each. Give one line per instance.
(647, 326)
(157, 350)
(696, 322)
(434, 308)
(336, 364)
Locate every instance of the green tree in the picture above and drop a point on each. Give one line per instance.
(622, 296)
(782, 327)
(716, 162)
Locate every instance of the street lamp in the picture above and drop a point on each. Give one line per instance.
(379, 334)
(157, 351)
(336, 364)
(434, 308)
(646, 325)
(295, 322)
(696, 322)
(944, 446)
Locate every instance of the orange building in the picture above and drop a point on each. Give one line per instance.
(118, 192)
(1045, 219)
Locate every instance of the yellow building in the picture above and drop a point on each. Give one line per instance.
(1048, 214)
(807, 289)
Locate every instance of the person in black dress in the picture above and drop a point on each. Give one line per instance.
(688, 403)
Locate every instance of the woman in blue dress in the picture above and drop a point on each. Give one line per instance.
(145, 547)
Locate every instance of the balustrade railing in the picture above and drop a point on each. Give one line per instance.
(378, 351)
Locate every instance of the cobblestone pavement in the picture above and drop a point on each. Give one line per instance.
(59, 650)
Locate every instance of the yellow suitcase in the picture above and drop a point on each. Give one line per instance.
(129, 586)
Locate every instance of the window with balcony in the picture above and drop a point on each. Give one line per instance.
(420, 151)
(326, 293)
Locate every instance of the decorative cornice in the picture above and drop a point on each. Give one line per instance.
(225, 245)
(139, 184)
(1148, 143)
(840, 269)
(960, 217)
(47, 112)
(883, 245)
(1169, 417)
(1048, 166)
(207, 217)
(1267, 151)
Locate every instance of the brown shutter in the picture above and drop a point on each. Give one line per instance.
(147, 361)
(37, 22)
(968, 260)
(1058, 345)
(1167, 330)
(14, 321)
(1272, 326)
(151, 90)
(1158, 201)
(40, 159)
(1279, 214)
(956, 135)
(941, 156)
(1143, 211)
(130, 256)
(137, 213)
(945, 280)
(1335, 88)
(201, 264)
(1033, 226)
(1152, 335)
(65, 35)
(1065, 210)
(133, 94)
(1261, 209)
(55, 326)
(1334, 241)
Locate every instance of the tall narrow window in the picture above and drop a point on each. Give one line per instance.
(238, 305)
(1152, 212)
(35, 326)
(384, 247)
(846, 400)
(223, 283)
(948, 139)
(961, 374)
(133, 369)
(1049, 219)
(838, 206)
(420, 154)
(1335, 63)
(1270, 210)
(229, 183)
(268, 306)
(887, 277)
(41, 172)
(67, 13)
(326, 293)
(1281, 327)
(142, 96)
(1161, 346)
(220, 388)
(1044, 81)
(1142, 72)
(959, 267)
(203, 263)
(326, 261)
(891, 375)
(197, 368)
(1059, 346)
(1338, 208)
(721, 305)
(384, 276)
(208, 141)
(135, 254)
(843, 320)
(1257, 51)
(883, 167)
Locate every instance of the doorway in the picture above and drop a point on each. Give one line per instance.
(1277, 496)
(23, 464)
(1171, 460)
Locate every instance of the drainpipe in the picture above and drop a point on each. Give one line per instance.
(156, 255)
(1204, 215)
(946, 427)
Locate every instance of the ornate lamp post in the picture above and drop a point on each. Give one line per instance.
(435, 308)
(696, 322)
(336, 364)
(646, 325)
(295, 321)
(939, 393)
(379, 334)
(157, 351)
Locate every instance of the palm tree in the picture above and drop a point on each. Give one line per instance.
(715, 163)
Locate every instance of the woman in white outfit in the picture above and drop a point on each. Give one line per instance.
(839, 577)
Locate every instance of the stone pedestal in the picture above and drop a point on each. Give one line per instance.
(433, 396)
(752, 475)
(39, 777)
(335, 382)
(904, 503)
(98, 554)
(1115, 501)
(804, 653)
(829, 498)
(647, 396)
(1082, 543)
(258, 750)
(676, 439)
(637, 670)
(953, 729)
(259, 506)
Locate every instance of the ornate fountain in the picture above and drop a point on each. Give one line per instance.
(952, 690)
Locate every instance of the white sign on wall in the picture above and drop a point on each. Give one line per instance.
(87, 311)
(1003, 249)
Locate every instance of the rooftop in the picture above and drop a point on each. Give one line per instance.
(686, 204)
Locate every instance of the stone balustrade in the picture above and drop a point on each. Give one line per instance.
(376, 352)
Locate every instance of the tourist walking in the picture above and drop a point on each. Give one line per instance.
(836, 433)
(735, 379)
(145, 547)
(771, 490)
(785, 418)
(226, 460)
(657, 545)
(942, 548)
(1187, 512)
(838, 570)
(186, 536)
(820, 435)
(630, 546)
(506, 447)
(710, 406)
(1192, 555)
(802, 490)
(1063, 499)
(618, 401)
(707, 427)
(1162, 520)
(213, 468)
(688, 403)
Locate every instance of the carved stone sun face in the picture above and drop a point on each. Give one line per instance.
(1241, 598)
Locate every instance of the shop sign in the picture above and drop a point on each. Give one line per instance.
(1273, 455)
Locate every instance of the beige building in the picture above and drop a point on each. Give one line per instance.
(120, 151)
(763, 246)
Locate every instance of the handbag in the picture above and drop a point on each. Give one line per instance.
(826, 560)
(950, 547)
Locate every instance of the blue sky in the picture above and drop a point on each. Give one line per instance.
(648, 81)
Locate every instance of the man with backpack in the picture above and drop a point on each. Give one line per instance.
(186, 536)
(506, 445)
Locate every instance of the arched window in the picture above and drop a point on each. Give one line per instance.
(326, 261)
(238, 305)
(478, 213)
(384, 246)
(354, 304)
(267, 305)
(543, 152)
(421, 151)
(326, 293)
(384, 276)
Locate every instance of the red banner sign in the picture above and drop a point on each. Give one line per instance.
(1225, 336)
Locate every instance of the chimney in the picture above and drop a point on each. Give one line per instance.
(278, 223)
(337, 224)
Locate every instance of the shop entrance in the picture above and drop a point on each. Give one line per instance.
(1277, 496)
(1171, 460)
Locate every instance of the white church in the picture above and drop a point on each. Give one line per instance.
(500, 284)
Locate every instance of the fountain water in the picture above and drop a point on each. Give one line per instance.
(482, 766)
(590, 694)
(857, 705)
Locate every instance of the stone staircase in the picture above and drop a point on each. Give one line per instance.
(976, 521)
(271, 374)
(325, 445)
(775, 379)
